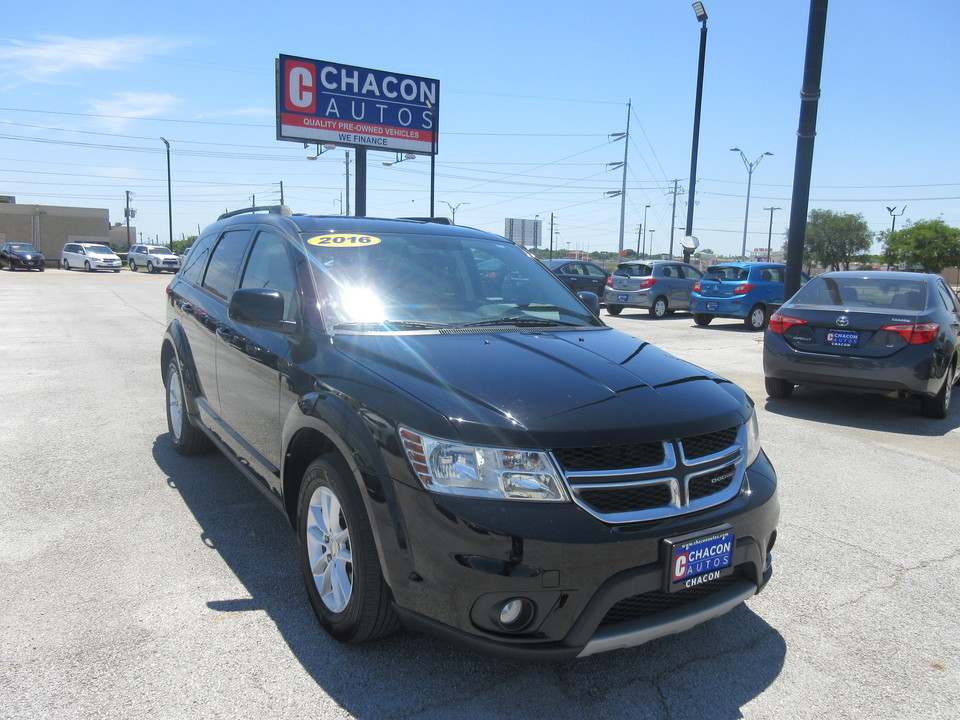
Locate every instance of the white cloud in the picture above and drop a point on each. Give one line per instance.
(50, 57)
(121, 107)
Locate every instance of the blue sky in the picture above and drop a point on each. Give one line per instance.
(530, 93)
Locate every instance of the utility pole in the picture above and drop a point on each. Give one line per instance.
(126, 213)
(770, 232)
(639, 235)
(281, 193)
(623, 185)
(673, 223)
(551, 236)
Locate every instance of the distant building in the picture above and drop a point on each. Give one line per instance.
(50, 227)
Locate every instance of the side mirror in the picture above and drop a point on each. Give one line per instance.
(260, 307)
(591, 300)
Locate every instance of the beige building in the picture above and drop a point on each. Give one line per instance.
(50, 227)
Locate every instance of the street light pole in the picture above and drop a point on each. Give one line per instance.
(453, 210)
(746, 214)
(702, 19)
(169, 195)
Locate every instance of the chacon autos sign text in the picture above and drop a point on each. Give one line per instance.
(322, 102)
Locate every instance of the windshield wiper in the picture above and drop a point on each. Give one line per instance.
(380, 326)
(521, 321)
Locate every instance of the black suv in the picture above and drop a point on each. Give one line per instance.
(491, 463)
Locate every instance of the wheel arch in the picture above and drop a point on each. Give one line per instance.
(176, 346)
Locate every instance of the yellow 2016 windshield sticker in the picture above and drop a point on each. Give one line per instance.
(343, 241)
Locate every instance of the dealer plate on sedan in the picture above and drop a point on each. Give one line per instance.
(843, 338)
(692, 561)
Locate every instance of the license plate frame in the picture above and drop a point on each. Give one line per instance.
(843, 338)
(697, 558)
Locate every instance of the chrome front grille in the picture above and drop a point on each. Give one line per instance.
(649, 481)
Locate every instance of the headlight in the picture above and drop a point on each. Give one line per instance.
(454, 468)
(752, 431)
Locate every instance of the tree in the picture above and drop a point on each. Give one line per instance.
(834, 239)
(930, 243)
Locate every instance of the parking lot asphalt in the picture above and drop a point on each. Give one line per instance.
(138, 584)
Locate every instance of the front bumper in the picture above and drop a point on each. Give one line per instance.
(594, 586)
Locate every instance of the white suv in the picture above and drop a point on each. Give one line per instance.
(153, 257)
(89, 256)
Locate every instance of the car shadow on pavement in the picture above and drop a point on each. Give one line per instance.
(864, 411)
(708, 672)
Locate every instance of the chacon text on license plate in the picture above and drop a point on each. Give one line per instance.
(843, 338)
(697, 560)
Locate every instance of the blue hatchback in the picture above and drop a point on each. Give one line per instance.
(749, 291)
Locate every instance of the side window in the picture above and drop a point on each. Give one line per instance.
(776, 274)
(224, 267)
(269, 267)
(949, 299)
(574, 269)
(594, 271)
(197, 259)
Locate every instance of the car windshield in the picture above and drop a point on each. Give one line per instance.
(98, 250)
(634, 270)
(408, 281)
(159, 251)
(868, 292)
(23, 247)
(726, 273)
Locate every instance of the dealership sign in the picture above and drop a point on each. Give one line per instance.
(321, 102)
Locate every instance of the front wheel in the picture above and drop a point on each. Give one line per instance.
(86, 266)
(338, 556)
(66, 264)
(614, 309)
(133, 266)
(186, 438)
(660, 308)
(702, 319)
(778, 388)
(938, 406)
(757, 318)
(150, 268)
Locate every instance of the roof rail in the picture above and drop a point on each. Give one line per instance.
(438, 220)
(272, 209)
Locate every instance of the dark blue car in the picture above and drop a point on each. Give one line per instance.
(748, 291)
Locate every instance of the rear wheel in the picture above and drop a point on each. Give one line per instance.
(938, 406)
(778, 388)
(186, 438)
(659, 308)
(702, 319)
(338, 556)
(757, 318)
(614, 309)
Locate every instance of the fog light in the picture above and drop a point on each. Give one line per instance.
(515, 613)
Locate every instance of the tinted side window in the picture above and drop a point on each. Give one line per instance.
(269, 267)
(224, 267)
(197, 259)
(593, 270)
(949, 299)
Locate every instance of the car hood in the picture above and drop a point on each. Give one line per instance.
(550, 389)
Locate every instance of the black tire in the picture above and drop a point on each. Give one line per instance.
(150, 268)
(614, 309)
(186, 438)
(42, 269)
(86, 266)
(938, 406)
(778, 388)
(117, 270)
(660, 308)
(702, 319)
(133, 266)
(338, 556)
(66, 264)
(757, 318)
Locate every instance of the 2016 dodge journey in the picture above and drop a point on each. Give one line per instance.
(483, 460)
